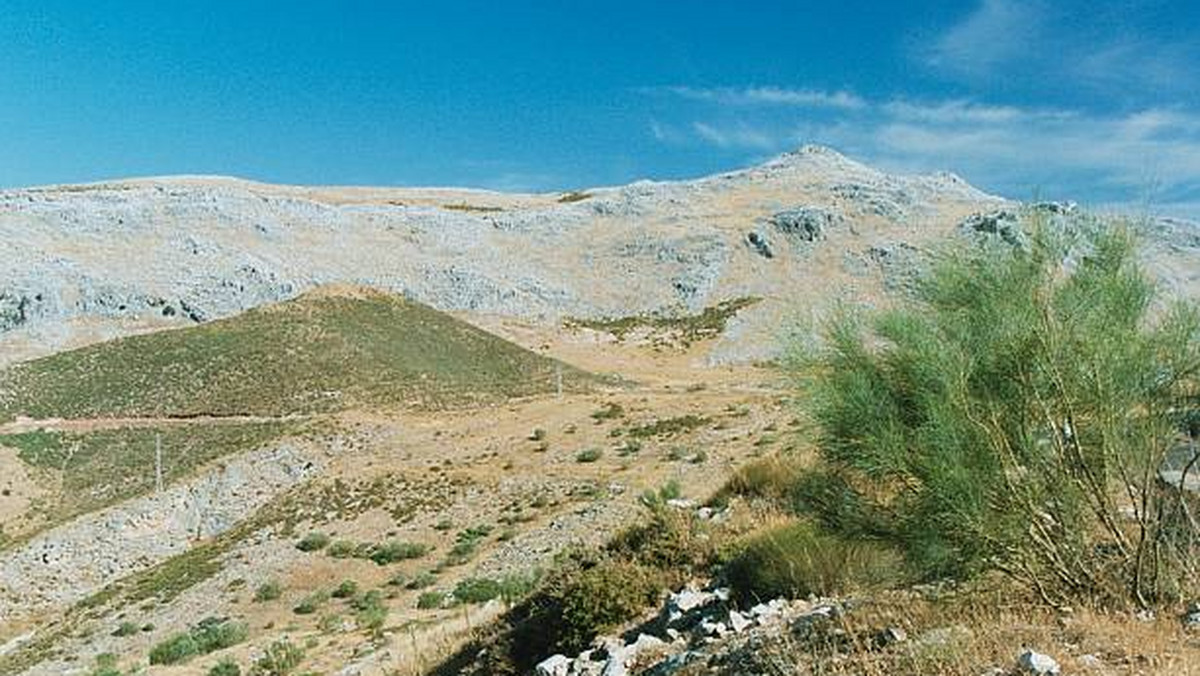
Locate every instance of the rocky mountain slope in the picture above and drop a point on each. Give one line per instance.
(92, 261)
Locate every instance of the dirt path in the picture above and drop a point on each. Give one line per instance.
(23, 425)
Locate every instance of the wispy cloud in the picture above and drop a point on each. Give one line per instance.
(1013, 150)
(995, 33)
(770, 96)
(736, 136)
(1106, 51)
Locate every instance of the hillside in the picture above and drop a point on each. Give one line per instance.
(95, 261)
(321, 352)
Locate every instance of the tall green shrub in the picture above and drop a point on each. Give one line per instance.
(1015, 415)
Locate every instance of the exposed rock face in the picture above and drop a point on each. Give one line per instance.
(65, 564)
(177, 250)
(807, 224)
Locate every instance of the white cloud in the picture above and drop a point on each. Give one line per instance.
(996, 33)
(1103, 51)
(740, 136)
(1016, 151)
(770, 96)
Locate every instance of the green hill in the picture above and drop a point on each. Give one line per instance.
(319, 353)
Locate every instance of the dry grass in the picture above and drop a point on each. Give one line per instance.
(972, 632)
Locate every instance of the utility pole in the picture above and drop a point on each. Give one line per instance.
(158, 462)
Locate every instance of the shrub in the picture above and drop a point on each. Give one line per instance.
(587, 592)
(209, 635)
(422, 581)
(280, 659)
(430, 600)
(226, 667)
(1016, 415)
(671, 542)
(213, 634)
(476, 590)
(268, 591)
(175, 649)
(796, 560)
(371, 612)
(657, 500)
(772, 478)
(589, 455)
(126, 628)
(311, 603)
(313, 542)
(345, 590)
(610, 411)
(390, 552)
(106, 665)
(342, 549)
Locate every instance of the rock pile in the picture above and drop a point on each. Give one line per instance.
(688, 621)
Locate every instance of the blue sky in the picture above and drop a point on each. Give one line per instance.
(1096, 101)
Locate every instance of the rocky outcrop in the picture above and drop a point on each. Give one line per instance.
(65, 564)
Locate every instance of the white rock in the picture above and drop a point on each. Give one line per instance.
(555, 665)
(739, 622)
(1031, 662)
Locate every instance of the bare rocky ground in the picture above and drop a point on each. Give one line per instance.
(88, 263)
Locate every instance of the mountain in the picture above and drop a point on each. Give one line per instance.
(103, 260)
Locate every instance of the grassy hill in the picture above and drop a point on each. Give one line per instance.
(318, 353)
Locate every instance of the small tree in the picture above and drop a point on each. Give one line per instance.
(1016, 416)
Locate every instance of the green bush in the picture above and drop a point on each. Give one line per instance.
(795, 560)
(591, 594)
(390, 552)
(345, 590)
(589, 455)
(422, 581)
(670, 541)
(268, 591)
(371, 611)
(477, 590)
(106, 665)
(176, 649)
(226, 667)
(342, 549)
(126, 628)
(207, 636)
(1016, 415)
(313, 542)
(311, 603)
(280, 659)
(213, 634)
(430, 600)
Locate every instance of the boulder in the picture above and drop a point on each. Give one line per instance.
(1032, 662)
(759, 243)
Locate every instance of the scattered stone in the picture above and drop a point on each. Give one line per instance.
(739, 622)
(759, 243)
(1031, 662)
(1191, 617)
(555, 665)
(891, 636)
